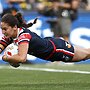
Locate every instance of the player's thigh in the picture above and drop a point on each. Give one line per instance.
(80, 53)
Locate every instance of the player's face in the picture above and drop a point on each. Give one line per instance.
(7, 30)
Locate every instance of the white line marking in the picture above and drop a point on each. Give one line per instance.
(54, 70)
(45, 69)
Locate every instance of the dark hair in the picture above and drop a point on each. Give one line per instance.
(9, 19)
(22, 22)
(16, 20)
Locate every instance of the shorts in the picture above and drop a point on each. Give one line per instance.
(63, 51)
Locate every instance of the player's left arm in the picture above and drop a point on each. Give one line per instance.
(23, 45)
(2, 47)
(20, 57)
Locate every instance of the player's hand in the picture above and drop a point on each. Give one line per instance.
(5, 58)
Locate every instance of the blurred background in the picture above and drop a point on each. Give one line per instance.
(69, 19)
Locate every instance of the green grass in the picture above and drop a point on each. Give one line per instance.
(16, 79)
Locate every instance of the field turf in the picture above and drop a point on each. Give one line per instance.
(45, 77)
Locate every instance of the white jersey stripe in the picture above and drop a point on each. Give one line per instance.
(65, 51)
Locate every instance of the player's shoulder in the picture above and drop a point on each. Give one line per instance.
(23, 30)
(24, 34)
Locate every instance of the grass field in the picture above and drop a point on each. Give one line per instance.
(45, 77)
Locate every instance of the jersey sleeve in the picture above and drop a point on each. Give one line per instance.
(5, 41)
(24, 38)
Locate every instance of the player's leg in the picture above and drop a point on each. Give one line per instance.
(81, 53)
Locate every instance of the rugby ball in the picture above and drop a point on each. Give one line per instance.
(11, 50)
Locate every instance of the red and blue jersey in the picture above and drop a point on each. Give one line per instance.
(53, 49)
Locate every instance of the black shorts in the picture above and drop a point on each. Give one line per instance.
(63, 51)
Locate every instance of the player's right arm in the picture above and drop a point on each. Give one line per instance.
(4, 42)
(1, 48)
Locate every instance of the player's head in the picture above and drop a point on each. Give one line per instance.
(17, 19)
(10, 20)
(9, 25)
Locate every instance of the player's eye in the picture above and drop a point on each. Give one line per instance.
(4, 29)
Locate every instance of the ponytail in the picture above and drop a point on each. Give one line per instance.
(22, 22)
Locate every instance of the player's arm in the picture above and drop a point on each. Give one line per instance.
(2, 47)
(23, 45)
(4, 42)
(20, 57)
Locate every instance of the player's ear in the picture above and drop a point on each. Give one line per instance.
(15, 27)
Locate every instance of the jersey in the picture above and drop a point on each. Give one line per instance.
(49, 48)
